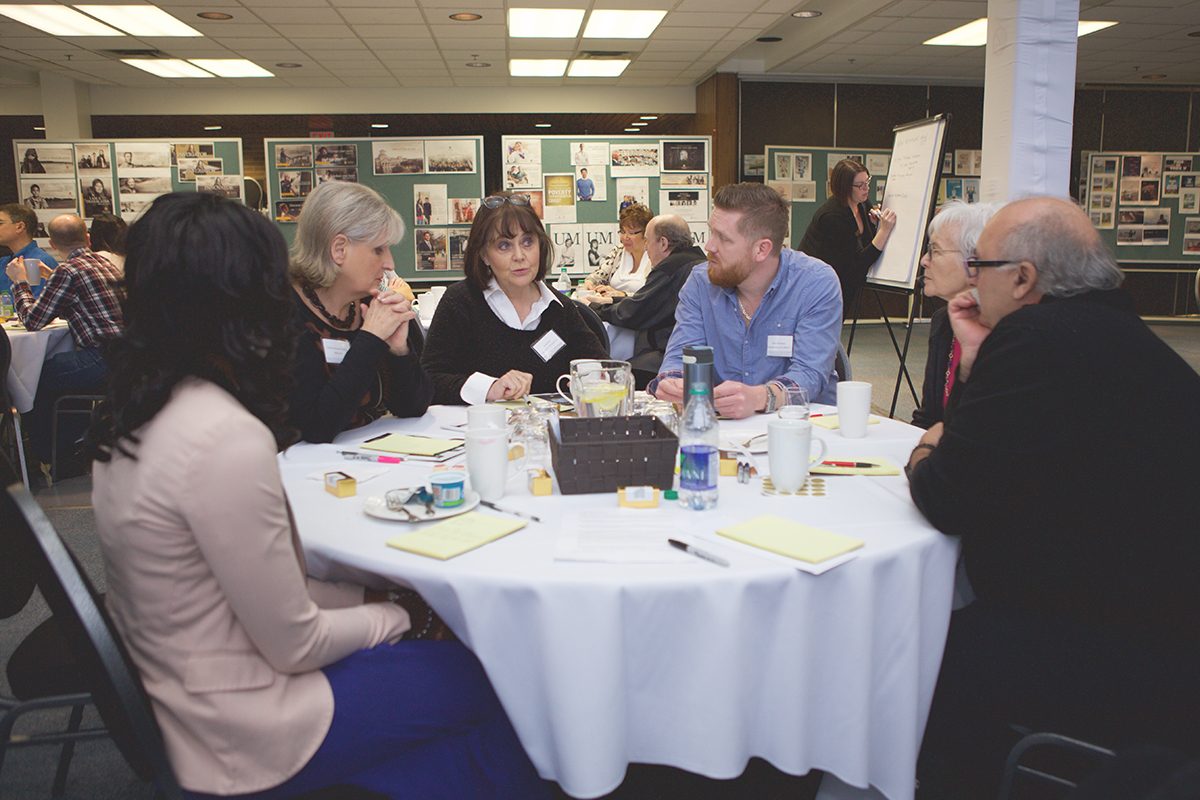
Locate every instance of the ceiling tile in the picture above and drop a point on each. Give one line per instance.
(678, 20)
(306, 16)
(373, 16)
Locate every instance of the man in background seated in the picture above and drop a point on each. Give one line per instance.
(1067, 466)
(17, 227)
(771, 314)
(85, 291)
(651, 309)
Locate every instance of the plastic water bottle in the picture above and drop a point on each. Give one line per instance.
(563, 283)
(6, 305)
(700, 464)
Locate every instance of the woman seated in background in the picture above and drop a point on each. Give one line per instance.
(624, 270)
(953, 233)
(265, 684)
(107, 235)
(502, 332)
(359, 352)
(845, 233)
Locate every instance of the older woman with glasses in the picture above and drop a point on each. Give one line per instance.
(358, 354)
(502, 332)
(624, 270)
(952, 237)
(846, 233)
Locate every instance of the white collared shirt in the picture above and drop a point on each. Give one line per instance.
(625, 279)
(474, 391)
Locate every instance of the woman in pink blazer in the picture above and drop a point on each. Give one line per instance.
(265, 684)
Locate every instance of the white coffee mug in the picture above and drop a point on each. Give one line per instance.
(33, 271)
(854, 408)
(487, 461)
(789, 451)
(487, 416)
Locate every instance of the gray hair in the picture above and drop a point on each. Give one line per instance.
(358, 212)
(968, 219)
(1069, 255)
(674, 229)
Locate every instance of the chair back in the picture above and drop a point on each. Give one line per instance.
(17, 580)
(5, 358)
(253, 193)
(841, 364)
(113, 678)
(595, 323)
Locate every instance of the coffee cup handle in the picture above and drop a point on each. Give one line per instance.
(558, 385)
(821, 455)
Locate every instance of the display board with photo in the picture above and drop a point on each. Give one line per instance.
(1140, 202)
(432, 182)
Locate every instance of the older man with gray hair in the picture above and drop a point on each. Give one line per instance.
(651, 310)
(1067, 466)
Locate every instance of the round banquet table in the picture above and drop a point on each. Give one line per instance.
(29, 350)
(686, 664)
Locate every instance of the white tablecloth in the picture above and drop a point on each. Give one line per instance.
(690, 665)
(29, 350)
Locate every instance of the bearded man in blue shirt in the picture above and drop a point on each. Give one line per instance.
(771, 314)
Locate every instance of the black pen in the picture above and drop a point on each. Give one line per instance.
(697, 552)
(494, 507)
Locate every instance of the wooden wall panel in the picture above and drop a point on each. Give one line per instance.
(866, 113)
(717, 116)
(1145, 120)
(964, 104)
(785, 113)
(14, 128)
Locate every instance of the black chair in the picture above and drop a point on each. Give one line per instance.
(1061, 746)
(841, 364)
(595, 323)
(253, 192)
(42, 674)
(10, 419)
(66, 406)
(112, 676)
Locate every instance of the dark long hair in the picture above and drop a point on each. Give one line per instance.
(504, 222)
(207, 297)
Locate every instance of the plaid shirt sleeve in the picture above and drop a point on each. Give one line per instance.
(36, 315)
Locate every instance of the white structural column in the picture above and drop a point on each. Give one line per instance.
(66, 107)
(1029, 98)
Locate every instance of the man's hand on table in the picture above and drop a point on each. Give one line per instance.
(671, 390)
(736, 400)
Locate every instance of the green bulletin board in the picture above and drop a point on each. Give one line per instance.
(446, 171)
(63, 173)
(672, 174)
(801, 174)
(1146, 206)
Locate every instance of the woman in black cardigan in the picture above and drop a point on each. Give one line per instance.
(502, 333)
(846, 233)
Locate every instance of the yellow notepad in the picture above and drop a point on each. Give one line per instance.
(457, 535)
(411, 445)
(830, 421)
(791, 539)
(882, 467)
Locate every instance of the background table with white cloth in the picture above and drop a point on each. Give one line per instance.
(29, 350)
(686, 664)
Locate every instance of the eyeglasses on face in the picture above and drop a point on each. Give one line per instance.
(973, 265)
(633, 233)
(861, 184)
(933, 251)
(494, 201)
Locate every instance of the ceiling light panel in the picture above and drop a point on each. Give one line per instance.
(58, 21)
(141, 20)
(167, 67)
(544, 23)
(232, 67)
(597, 67)
(616, 24)
(974, 34)
(537, 67)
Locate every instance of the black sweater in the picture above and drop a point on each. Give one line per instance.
(370, 381)
(941, 338)
(466, 337)
(1068, 468)
(833, 237)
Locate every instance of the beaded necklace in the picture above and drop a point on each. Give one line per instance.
(335, 321)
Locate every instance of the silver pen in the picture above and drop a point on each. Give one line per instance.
(494, 507)
(697, 552)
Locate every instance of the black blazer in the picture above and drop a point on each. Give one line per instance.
(833, 237)
(941, 337)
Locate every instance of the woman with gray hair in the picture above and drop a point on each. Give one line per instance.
(359, 352)
(953, 233)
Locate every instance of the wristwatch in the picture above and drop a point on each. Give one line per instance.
(772, 400)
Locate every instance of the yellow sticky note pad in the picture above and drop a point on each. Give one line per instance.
(791, 539)
(411, 445)
(882, 467)
(457, 535)
(830, 421)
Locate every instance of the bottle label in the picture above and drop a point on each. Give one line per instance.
(698, 472)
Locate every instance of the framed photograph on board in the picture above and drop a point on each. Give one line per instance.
(684, 155)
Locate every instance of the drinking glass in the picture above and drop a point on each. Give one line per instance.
(599, 387)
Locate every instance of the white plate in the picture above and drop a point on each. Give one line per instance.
(755, 446)
(376, 506)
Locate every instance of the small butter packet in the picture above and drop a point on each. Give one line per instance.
(637, 497)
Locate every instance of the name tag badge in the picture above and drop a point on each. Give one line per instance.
(335, 350)
(548, 345)
(779, 346)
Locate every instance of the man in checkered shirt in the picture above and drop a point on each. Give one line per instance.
(86, 291)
